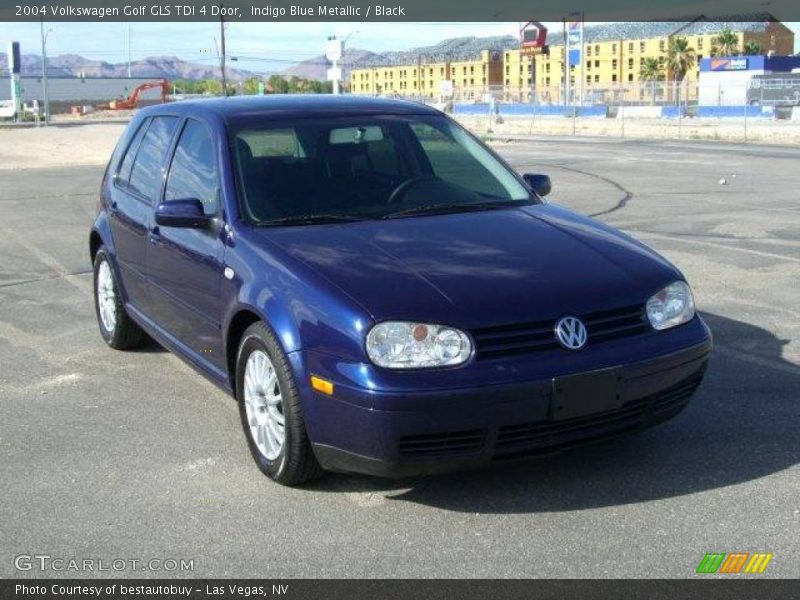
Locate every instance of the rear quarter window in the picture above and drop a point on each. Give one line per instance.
(146, 174)
(124, 172)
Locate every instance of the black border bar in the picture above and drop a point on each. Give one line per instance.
(394, 10)
(699, 588)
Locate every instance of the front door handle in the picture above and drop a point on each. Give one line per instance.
(154, 236)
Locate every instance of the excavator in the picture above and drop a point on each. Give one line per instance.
(130, 102)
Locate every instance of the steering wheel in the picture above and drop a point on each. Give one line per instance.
(401, 189)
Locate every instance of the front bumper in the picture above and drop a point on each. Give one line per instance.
(447, 430)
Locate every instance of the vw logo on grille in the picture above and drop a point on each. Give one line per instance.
(571, 333)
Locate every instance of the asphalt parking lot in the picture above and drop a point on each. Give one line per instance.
(131, 455)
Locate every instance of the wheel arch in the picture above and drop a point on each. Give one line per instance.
(243, 318)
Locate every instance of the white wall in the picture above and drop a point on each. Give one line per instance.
(724, 88)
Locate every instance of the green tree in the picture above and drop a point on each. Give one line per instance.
(752, 48)
(651, 71)
(278, 84)
(250, 86)
(725, 44)
(680, 58)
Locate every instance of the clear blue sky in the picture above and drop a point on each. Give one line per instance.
(260, 46)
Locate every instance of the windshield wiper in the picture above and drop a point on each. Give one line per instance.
(434, 209)
(310, 220)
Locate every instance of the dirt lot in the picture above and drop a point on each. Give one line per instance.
(62, 145)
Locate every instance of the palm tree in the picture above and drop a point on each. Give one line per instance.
(725, 44)
(651, 70)
(680, 58)
(752, 48)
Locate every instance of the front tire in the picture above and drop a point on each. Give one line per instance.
(117, 328)
(270, 411)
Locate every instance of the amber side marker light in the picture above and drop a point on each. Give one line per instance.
(322, 385)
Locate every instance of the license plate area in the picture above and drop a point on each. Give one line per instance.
(585, 393)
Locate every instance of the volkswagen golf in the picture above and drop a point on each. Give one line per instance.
(379, 290)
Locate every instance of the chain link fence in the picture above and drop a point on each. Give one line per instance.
(754, 110)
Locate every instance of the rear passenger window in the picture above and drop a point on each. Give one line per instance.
(124, 172)
(193, 173)
(146, 173)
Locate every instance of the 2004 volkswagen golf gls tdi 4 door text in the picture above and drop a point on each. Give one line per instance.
(381, 292)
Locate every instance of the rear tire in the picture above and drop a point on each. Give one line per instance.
(116, 327)
(270, 411)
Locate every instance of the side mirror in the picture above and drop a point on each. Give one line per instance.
(538, 183)
(186, 212)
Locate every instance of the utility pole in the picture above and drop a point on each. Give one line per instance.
(44, 74)
(129, 50)
(222, 53)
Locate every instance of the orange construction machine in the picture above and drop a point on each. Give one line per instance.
(130, 101)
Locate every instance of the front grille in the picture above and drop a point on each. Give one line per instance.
(509, 340)
(441, 443)
(529, 438)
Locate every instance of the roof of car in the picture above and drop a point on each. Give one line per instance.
(245, 108)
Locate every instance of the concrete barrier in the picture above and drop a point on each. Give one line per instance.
(731, 111)
(795, 113)
(530, 110)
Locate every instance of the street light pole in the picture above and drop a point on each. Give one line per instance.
(129, 50)
(44, 74)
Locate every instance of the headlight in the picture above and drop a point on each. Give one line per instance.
(671, 306)
(404, 345)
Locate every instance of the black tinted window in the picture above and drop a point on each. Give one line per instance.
(193, 173)
(124, 172)
(146, 173)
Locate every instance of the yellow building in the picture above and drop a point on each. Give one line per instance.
(612, 58)
(469, 63)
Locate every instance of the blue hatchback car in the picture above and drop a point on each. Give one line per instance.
(379, 290)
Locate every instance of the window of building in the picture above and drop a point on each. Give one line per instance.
(614, 77)
(597, 78)
(547, 81)
(699, 42)
(588, 79)
(630, 63)
(630, 76)
(641, 46)
(597, 64)
(613, 48)
(614, 64)
(193, 172)
(597, 49)
(662, 45)
(588, 50)
(588, 65)
(630, 47)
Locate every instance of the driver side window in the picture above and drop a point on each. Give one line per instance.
(193, 172)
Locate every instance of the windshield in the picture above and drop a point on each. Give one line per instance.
(350, 168)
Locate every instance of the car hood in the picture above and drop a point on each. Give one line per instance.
(480, 268)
